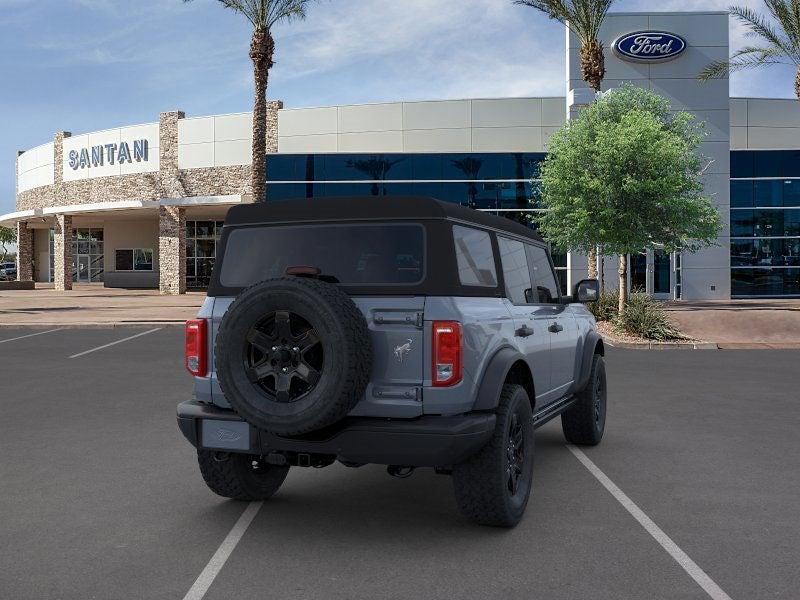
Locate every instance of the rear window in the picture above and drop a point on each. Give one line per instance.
(354, 254)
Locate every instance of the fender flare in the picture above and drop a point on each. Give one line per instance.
(494, 376)
(593, 344)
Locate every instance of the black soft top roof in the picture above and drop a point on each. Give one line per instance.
(368, 208)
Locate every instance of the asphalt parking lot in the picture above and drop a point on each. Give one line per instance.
(101, 496)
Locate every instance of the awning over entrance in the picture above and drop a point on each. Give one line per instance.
(11, 219)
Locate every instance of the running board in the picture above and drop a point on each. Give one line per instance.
(552, 410)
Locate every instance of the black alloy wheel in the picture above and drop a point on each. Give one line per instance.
(493, 486)
(283, 356)
(515, 454)
(585, 421)
(293, 355)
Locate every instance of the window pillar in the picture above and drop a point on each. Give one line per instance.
(172, 250)
(24, 252)
(62, 253)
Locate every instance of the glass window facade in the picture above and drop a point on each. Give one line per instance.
(133, 259)
(87, 255)
(201, 251)
(479, 180)
(765, 223)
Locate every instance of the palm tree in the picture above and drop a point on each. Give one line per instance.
(780, 42)
(584, 19)
(263, 15)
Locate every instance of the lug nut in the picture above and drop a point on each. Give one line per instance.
(274, 348)
(285, 369)
(295, 349)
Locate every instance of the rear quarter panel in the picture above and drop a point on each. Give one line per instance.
(487, 326)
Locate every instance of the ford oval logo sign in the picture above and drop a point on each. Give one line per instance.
(649, 46)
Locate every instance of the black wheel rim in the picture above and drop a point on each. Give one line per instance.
(599, 400)
(283, 356)
(515, 454)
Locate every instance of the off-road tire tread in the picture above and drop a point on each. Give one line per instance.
(357, 375)
(225, 479)
(577, 421)
(477, 501)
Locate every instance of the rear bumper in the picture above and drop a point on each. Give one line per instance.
(428, 441)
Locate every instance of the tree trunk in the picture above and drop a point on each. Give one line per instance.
(623, 282)
(797, 84)
(601, 271)
(593, 70)
(262, 48)
(593, 67)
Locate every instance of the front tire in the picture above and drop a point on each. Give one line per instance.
(493, 486)
(240, 476)
(585, 421)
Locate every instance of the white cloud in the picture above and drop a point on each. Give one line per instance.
(420, 48)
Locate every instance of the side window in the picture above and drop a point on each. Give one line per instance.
(542, 274)
(515, 271)
(475, 257)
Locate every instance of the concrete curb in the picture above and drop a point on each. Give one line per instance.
(662, 345)
(94, 325)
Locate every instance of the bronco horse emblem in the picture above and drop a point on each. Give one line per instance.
(402, 351)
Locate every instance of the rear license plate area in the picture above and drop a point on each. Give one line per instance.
(225, 435)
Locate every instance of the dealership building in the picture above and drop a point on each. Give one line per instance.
(142, 206)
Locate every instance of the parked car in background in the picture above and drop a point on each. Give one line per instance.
(8, 271)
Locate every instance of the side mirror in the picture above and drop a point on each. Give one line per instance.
(587, 290)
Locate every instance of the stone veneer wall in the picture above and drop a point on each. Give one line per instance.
(24, 252)
(62, 251)
(217, 181)
(172, 250)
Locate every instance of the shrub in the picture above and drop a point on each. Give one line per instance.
(605, 309)
(646, 318)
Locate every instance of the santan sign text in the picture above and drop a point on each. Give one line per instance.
(97, 156)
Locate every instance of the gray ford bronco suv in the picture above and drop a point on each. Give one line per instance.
(399, 331)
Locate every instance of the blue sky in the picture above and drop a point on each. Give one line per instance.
(84, 65)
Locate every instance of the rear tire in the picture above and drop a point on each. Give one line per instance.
(493, 486)
(240, 476)
(585, 421)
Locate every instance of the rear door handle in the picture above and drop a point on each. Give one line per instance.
(524, 332)
(555, 328)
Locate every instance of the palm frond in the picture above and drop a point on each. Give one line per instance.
(263, 14)
(759, 26)
(787, 14)
(745, 58)
(583, 17)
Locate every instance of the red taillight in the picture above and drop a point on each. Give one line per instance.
(195, 348)
(446, 353)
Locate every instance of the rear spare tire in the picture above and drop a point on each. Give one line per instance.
(293, 355)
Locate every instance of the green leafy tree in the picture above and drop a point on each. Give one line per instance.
(584, 19)
(8, 236)
(778, 36)
(626, 175)
(263, 15)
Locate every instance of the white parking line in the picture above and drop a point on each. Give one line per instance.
(115, 343)
(214, 566)
(695, 572)
(22, 337)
